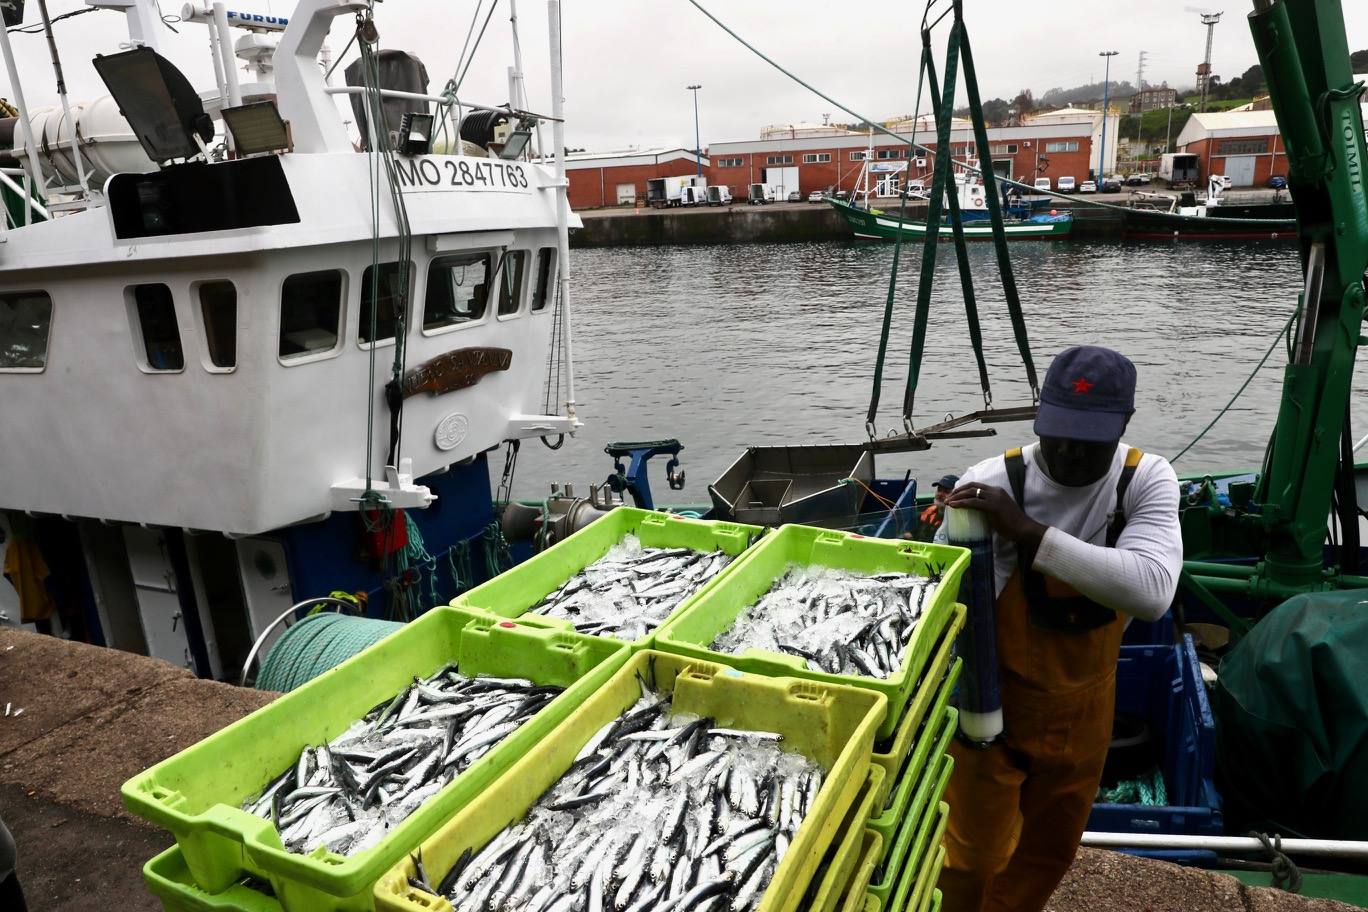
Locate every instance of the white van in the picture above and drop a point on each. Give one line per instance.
(1067, 184)
(1042, 183)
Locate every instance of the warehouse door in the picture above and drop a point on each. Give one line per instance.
(1240, 170)
(626, 194)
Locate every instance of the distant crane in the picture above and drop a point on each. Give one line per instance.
(1204, 68)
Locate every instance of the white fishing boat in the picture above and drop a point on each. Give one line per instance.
(233, 316)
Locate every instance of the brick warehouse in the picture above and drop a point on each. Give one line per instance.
(1057, 144)
(619, 178)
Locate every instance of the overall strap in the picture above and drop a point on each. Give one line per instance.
(1118, 520)
(1016, 474)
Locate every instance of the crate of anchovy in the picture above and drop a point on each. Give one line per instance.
(827, 605)
(680, 784)
(321, 791)
(621, 576)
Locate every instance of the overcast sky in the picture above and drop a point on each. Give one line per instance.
(628, 61)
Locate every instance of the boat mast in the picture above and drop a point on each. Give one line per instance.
(553, 13)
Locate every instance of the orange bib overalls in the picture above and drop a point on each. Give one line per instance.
(1019, 806)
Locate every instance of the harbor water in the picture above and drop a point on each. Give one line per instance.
(762, 344)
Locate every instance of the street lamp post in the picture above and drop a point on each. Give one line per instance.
(698, 145)
(1106, 84)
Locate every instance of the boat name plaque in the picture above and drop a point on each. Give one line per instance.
(455, 370)
(446, 172)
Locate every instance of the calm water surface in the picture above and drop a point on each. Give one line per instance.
(729, 346)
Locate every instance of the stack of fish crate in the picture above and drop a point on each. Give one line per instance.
(891, 851)
(818, 782)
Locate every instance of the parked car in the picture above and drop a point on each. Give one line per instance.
(1137, 180)
(1042, 183)
(916, 185)
(795, 197)
(1276, 182)
(1067, 184)
(815, 196)
(1087, 187)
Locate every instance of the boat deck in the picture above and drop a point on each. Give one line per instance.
(93, 717)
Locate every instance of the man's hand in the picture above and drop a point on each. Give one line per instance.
(1008, 519)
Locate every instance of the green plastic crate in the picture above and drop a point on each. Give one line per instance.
(197, 793)
(856, 897)
(691, 631)
(922, 871)
(168, 878)
(932, 740)
(935, 900)
(512, 593)
(926, 702)
(833, 878)
(830, 724)
(905, 841)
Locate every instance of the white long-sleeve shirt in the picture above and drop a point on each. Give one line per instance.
(1140, 575)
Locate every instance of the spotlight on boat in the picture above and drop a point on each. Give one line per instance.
(415, 133)
(258, 127)
(159, 103)
(517, 142)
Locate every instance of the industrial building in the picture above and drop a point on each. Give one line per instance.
(1245, 144)
(1053, 144)
(619, 178)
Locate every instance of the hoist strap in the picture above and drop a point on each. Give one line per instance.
(965, 271)
(944, 112)
(892, 284)
(990, 183)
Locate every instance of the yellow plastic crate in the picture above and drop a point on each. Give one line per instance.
(830, 724)
(856, 897)
(834, 875)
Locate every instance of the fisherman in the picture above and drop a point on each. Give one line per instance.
(1085, 537)
(934, 514)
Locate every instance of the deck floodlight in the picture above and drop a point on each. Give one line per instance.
(158, 101)
(515, 144)
(13, 12)
(257, 127)
(415, 133)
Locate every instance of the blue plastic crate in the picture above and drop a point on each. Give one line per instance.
(1151, 633)
(1163, 684)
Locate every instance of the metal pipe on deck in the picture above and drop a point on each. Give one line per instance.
(1335, 848)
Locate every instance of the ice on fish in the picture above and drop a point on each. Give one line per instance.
(834, 620)
(632, 589)
(664, 811)
(346, 795)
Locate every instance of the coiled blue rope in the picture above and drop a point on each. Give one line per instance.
(316, 644)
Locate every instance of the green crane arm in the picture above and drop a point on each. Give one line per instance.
(1305, 58)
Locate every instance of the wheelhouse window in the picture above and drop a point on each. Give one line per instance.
(457, 289)
(310, 313)
(542, 289)
(159, 342)
(381, 298)
(218, 314)
(512, 270)
(25, 321)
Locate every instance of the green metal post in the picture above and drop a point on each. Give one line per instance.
(1305, 58)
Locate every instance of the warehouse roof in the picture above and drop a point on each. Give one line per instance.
(625, 157)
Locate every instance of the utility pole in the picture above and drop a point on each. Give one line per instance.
(1204, 69)
(1106, 84)
(698, 144)
(1140, 96)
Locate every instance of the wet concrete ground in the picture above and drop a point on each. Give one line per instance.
(94, 717)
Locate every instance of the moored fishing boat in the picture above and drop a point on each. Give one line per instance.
(876, 224)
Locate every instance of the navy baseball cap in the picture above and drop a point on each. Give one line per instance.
(1089, 393)
(947, 481)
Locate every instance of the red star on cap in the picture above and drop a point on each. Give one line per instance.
(1081, 386)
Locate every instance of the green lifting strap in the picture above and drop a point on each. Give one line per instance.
(962, 256)
(990, 182)
(892, 282)
(944, 112)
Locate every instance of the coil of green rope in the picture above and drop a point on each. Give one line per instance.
(316, 644)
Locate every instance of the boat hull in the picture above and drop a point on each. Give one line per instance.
(1140, 224)
(870, 226)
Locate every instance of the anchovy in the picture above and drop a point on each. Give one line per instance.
(631, 590)
(835, 620)
(347, 794)
(660, 811)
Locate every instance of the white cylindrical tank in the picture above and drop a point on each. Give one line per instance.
(106, 139)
